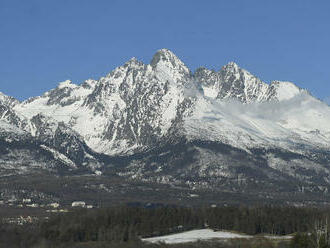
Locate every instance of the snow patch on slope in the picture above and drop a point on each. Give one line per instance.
(6, 127)
(60, 156)
(66, 84)
(195, 235)
(301, 119)
(285, 90)
(204, 235)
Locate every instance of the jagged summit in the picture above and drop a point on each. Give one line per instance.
(8, 100)
(231, 66)
(133, 62)
(3, 97)
(164, 55)
(165, 58)
(231, 81)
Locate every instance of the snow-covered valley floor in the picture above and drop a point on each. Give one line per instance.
(205, 234)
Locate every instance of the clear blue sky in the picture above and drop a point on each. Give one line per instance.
(43, 42)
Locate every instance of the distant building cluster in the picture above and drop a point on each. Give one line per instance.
(53, 207)
(80, 204)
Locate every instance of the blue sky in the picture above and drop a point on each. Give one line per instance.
(43, 42)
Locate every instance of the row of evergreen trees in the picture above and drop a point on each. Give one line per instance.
(127, 224)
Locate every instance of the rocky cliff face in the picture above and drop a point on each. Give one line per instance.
(130, 109)
(232, 82)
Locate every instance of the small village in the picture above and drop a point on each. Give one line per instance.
(27, 203)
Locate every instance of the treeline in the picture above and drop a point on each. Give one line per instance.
(128, 224)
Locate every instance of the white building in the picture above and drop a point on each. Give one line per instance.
(78, 204)
(54, 205)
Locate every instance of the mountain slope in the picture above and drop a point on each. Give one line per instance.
(137, 105)
(160, 122)
(130, 108)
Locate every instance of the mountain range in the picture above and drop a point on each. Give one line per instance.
(162, 123)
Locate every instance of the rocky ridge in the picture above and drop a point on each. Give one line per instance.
(161, 122)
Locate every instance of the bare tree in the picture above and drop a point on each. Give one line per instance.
(320, 237)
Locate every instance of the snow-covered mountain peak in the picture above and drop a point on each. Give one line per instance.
(8, 100)
(133, 62)
(167, 62)
(67, 84)
(231, 82)
(209, 126)
(164, 55)
(136, 105)
(232, 71)
(231, 66)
